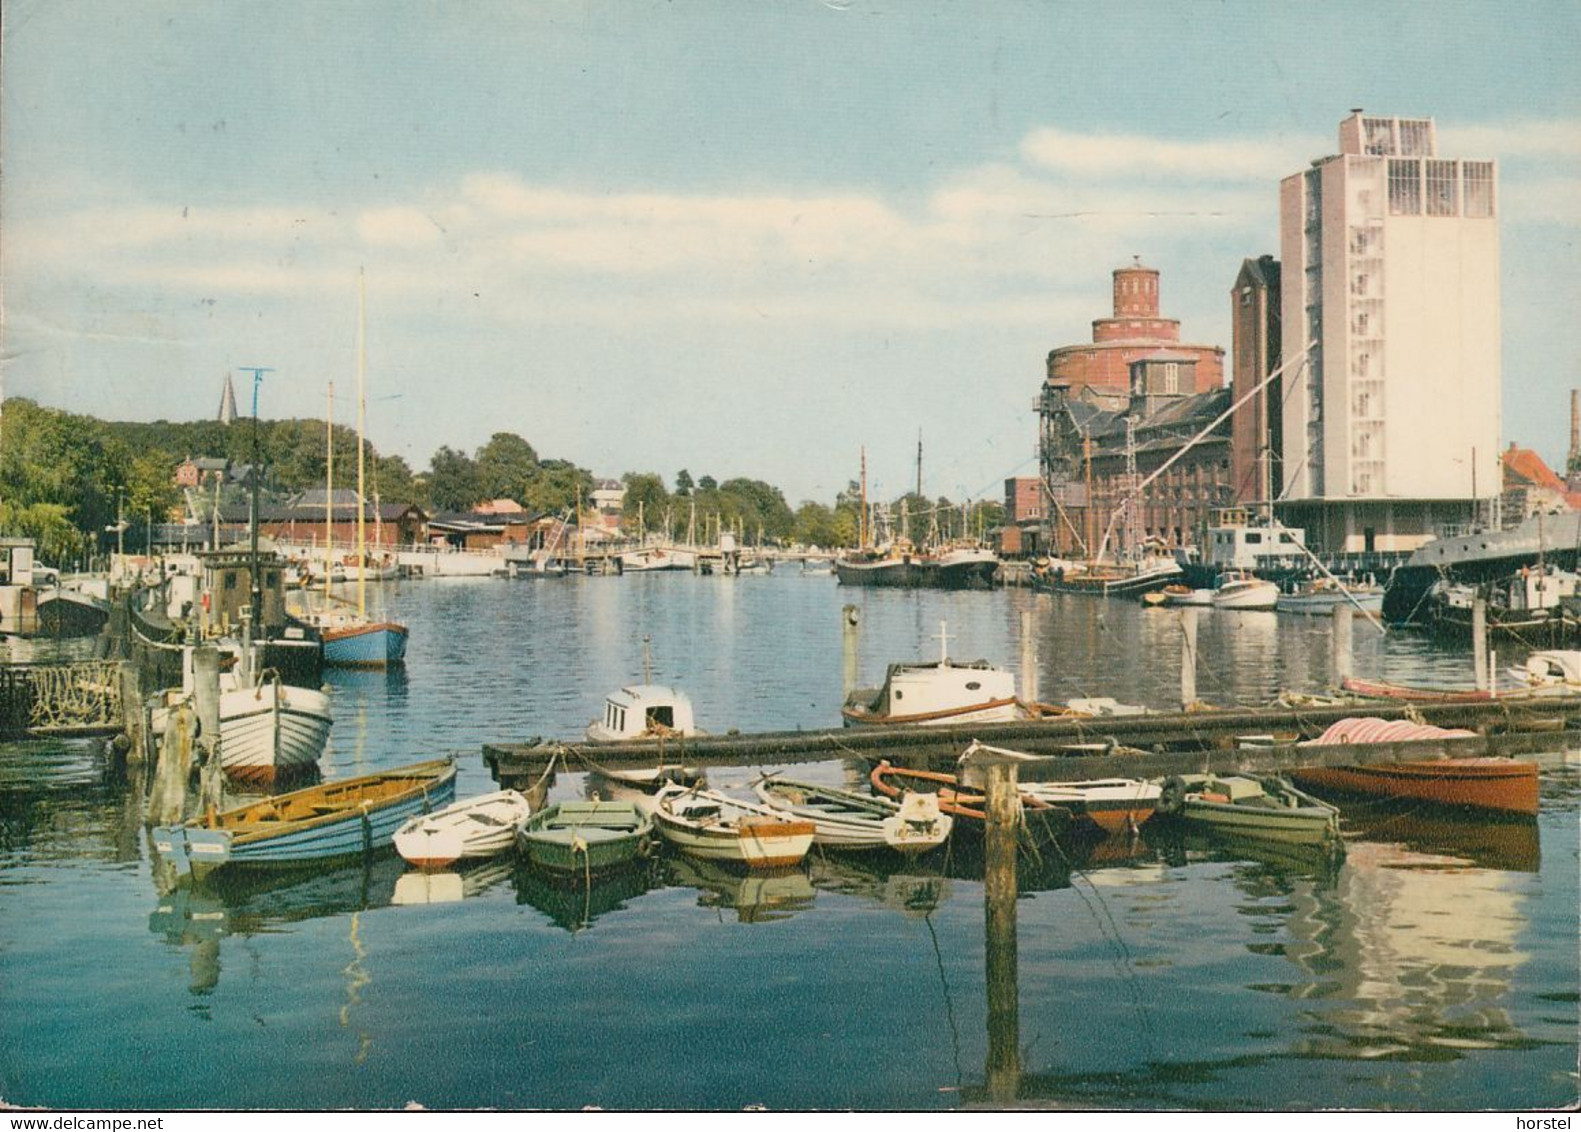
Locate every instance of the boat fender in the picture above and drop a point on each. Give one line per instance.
(1172, 795)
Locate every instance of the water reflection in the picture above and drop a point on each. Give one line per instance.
(576, 906)
(756, 897)
(468, 882)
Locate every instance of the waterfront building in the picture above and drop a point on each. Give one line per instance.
(1257, 434)
(1390, 283)
(609, 501)
(1100, 371)
(1532, 487)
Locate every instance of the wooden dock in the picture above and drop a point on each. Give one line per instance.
(1155, 744)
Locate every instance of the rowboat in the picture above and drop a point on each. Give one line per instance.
(1268, 808)
(1043, 818)
(1382, 690)
(1502, 784)
(717, 827)
(1114, 805)
(471, 828)
(844, 819)
(356, 817)
(585, 838)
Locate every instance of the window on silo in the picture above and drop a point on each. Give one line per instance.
(1380, 135)
(1443, 188)
(1477, 184)
(1416, 137)
(1405, 187)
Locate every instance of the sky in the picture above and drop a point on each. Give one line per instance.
(740, 239)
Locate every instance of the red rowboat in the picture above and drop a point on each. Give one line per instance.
(1506, 785)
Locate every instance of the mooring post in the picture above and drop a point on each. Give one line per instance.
(1001, 833)
(206, 697)
(133, 719)
(1344, 621)
(169, 794)
(1479, 640)
(1029, 659)
(1188, 658)
(851, 623)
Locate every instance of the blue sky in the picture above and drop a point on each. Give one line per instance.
(743, 239)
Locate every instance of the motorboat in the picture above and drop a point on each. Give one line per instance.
(1321, 597)
(1240, 589)
(845, 819)
(644, 711)
(469, 829)
(715, 826)
(935, 693)
(356, 817)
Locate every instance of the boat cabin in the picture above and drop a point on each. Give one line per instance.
(1235, 542)
(644, 711)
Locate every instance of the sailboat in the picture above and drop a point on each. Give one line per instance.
(354, 640)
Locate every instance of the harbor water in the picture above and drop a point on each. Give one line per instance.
(1434, 968)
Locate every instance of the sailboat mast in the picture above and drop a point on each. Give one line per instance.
(862, 523)
(362, 408)
(329, 492)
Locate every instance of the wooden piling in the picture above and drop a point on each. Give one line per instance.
(134, 718)
(168, 794)
(850, 633)
(1479, 641)
(206, 697)
(1344, 622)
(1001, 831)
(1188, 658)
(1029, 659)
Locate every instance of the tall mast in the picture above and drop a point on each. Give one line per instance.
(329, 493)
(362, 407)
(862, 523)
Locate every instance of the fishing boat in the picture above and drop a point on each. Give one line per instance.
(269, 730)
(1321, 597)
(1535, 604)
(714, 826)
(585, 838)
(356, 817)
(644, 711)
(1154, 570)
(889, 567)
(1268, 808)
(1484, 783)
(845, 819)
(965, 565)
(469, 829)
(940, 692)
(1240, 589)
(1042, 819)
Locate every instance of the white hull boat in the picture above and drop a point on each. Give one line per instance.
(471, 828)
(1237, 590)
(716, 827)
(844, 819)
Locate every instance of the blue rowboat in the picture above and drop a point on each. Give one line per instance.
(332, 821)
(365, 644)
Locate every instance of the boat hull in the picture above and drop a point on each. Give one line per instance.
(272, 732)
(350, 819)
(374, 645)
(585, 838)
(1502, 785)
(743, 838)
(468, 830)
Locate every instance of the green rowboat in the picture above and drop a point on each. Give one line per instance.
(583, 838)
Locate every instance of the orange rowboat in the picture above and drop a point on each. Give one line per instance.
(1505, 785)
(966, 804)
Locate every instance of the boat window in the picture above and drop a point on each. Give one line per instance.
(1254, 536)
(973, 685)
(898, 693)
(663, 716)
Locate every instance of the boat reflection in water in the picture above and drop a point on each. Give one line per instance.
(246, 904)
(575, 906)
(448, 887)
(756, 897)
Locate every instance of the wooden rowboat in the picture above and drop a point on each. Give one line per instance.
(966, 805)
(714, 826)
(1267, 809)
(845, 819)
(332, 821)
(470, 829)
(585, 838)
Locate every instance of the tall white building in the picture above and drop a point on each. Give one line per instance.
(1391, 274)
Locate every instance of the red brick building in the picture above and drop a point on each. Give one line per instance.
(1100, 371)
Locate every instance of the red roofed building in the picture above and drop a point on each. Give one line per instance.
(1531, 486)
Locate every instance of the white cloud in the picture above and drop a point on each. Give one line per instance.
(1123, 156)
(1513, 141)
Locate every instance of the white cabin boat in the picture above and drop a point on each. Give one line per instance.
(644, 711)
(941, 692)
(1551, 670)
(469, 829)
(1238, 589)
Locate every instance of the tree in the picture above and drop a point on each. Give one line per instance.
(506, 465)
(558, 485)
(453, 481)
(645, 497)
(708, 483)
(683, 483)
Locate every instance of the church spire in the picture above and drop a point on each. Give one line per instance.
(228, 402)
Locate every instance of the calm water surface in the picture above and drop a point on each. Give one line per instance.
(1436, 968)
